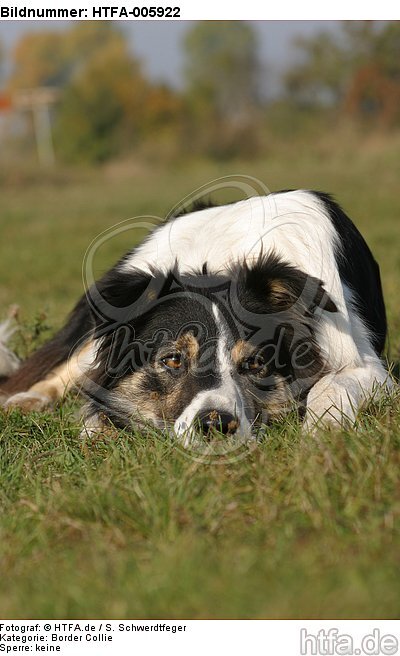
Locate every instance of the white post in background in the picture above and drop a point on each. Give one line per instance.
(38, 101)
(44, 138)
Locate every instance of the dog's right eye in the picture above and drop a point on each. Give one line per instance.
(172, 361)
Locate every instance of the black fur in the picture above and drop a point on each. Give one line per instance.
(195, 206)
(359, 270)
(282, 301)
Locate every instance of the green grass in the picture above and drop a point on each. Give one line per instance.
(130, 525)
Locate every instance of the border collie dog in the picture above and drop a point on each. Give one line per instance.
(222, 320)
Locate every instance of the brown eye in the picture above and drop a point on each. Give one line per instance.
(253, 364)
(172, 361)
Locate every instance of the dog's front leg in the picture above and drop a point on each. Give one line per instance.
(46, 392)
(337, 397)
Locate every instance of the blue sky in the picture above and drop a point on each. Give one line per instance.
(159, 44)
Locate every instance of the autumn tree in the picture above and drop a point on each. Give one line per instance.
(39, 59)
(319, 78)
(105, 105)
(102, 107)
(52, 58)
(374, 91)
(357, 69)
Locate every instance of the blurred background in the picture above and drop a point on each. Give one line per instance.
(102, 121)
(96, 91)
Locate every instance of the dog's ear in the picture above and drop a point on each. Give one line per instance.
(119, 296)
(123, 296)
(271, 281)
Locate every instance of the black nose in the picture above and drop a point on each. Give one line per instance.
(221, 421)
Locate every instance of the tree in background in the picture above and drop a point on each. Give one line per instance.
(53, 58)
(102, 106)
(222, 80)
(374, 91)
(105, 103)
(357, 70)
(318, 79)
(222, 68)
(39, 60)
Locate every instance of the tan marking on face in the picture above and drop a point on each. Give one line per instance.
(279, 400)
(151, 295)
(147, 405)
(233, 426)
(130, 388)
(241, 351)
(150, 405)
(172, 399)
(189, 344)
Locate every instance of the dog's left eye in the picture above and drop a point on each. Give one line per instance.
(253, 364)
(172, 361)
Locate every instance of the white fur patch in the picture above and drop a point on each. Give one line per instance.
(293, 223)
(337, 398)
(224, 398)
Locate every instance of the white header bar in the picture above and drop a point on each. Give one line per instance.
(202, 10)
(183, 637)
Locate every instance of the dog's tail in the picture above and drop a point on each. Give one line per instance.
(16, 377)
(9, 362)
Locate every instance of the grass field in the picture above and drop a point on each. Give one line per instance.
(130, 526)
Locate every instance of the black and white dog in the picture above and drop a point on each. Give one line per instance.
(224, 318)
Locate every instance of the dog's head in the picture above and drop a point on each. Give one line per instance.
(206, 351)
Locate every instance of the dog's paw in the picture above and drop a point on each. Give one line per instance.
(27, 401)
(330, 406)
(327, 417)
